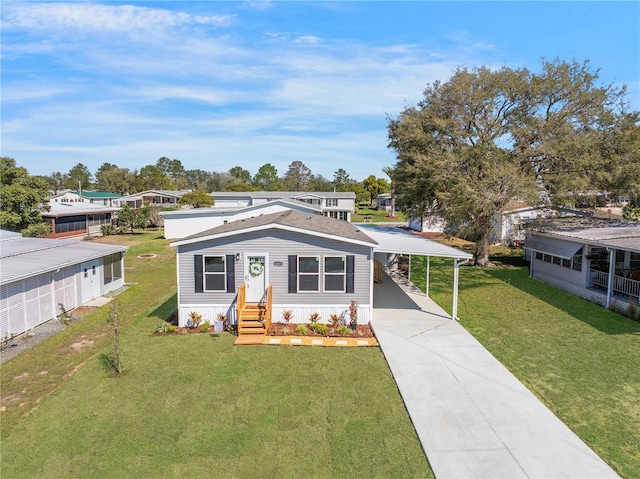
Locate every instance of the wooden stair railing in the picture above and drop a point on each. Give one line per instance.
(253, 318)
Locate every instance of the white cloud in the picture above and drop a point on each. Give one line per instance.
(99, 18)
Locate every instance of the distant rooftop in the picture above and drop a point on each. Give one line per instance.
(621, 234)
(65, 209)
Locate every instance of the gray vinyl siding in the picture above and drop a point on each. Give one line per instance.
(571, 281)
(277, 245)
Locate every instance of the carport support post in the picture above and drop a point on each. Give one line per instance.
(456, 268)
(427, 262)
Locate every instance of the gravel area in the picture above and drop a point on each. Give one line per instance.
(20, 343)
(26, 340)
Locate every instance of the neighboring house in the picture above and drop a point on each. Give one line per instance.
(41, 278)
(78, 219)
(338, 205)
(508, 224)
(161, 198)
(94, 197)
(186, 222)
(291, 260)
(384, 202)
(595, 259)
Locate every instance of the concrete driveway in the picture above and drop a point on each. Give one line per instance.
(472, 416)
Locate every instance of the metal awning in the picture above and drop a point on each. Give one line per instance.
(398, 240)
(553, 246)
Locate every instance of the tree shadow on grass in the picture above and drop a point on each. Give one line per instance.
(167, 311)
(594, 315)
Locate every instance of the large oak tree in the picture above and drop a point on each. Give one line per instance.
(488, 137)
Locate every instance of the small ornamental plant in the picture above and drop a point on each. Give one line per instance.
(343, 330)
(287, 315)
(314, 318)
(335, 320)
(353, 312)
(195, 319)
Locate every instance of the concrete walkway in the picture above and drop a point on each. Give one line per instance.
(472, 416)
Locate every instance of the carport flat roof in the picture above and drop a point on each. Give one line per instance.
(400, 240)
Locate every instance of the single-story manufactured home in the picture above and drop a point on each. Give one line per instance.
(42, 278)
(189, 221)
(160, 198)
(103, 198)
(334, 204)
(262, 266)
(595, 259)
(78, 219)
(507, 225)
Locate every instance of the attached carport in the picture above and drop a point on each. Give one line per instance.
(394, 240)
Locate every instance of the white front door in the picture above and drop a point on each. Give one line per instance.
(90, 280)
(256, 277)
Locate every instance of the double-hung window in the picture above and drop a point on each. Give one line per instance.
(308, 273)
(214, 273)
(332, 201)
(334, 273)
(337, 273)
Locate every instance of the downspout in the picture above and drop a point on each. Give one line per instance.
(456, 268)
(612, 272)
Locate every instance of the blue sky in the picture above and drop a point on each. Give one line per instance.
(223, 84)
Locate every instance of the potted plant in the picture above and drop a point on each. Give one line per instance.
(219, 323)
(353, 314)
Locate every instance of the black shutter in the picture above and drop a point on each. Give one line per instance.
(230, 264)
(293, 273)
(350, 273)
(198, 277)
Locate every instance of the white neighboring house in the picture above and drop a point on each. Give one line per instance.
(186, 222)
(507, 225)
(40, 278)
(103, 198)
(162, 198)
(333, 204)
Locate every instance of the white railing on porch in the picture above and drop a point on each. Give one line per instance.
(620, 284)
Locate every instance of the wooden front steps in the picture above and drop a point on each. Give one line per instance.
(249, 339)
(251, 320)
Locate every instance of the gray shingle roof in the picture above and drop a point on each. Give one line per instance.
(312, 223)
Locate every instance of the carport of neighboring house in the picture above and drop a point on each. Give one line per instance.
(393, 241)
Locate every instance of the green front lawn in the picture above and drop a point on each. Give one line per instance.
(377, 216)
(580, 359)
(195, 405)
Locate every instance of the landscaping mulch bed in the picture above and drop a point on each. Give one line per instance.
(283, 329)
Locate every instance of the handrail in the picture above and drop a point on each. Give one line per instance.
(620, 284)
(268, 309)
(240, 303)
